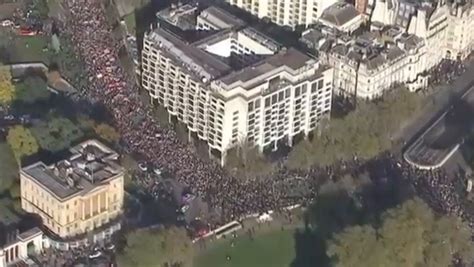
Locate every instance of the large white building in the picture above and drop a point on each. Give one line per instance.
(286, 12)
(236, 86)
(445, 27)
(460, 35)
(373, 62)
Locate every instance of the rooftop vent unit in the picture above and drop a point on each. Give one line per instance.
(90, 157)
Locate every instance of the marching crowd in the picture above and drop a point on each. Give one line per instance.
(141, 133)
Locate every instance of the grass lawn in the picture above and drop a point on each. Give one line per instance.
(130, 22)
(271, 249)
(29, 48)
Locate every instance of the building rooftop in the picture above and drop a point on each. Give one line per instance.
(371, 48)
(216, 55)
(290, 58)
(340, 13)
(183, 16)
(221, 17)
(90, 165)
(194, 59)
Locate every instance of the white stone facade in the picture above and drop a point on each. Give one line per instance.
(285, 12)
(274, 98)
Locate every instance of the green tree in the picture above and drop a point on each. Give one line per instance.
(107, 132)
(247, 162)
(15, 190)
(410, 235)
(22, 142)
(56, 134)
(161, 248)
(40, 8)
(32, 89)
(9, 167)
(7, 90)
(364, 133)
(357, 246)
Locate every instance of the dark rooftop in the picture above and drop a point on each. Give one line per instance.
(195, 59)
(291, 58)
(222, 15)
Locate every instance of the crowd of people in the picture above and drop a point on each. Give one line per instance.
(141, 133)
(230, 197)
(446, 72)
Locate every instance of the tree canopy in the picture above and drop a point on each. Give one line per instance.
(56, 134)
(22, 142)
(246, 161)
(169, 247)
(32, 89)
(8, 167)
(107, 132)
(409, 235)
(364, 133)
(7, 90)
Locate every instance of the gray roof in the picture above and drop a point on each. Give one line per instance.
(410, 41)
(196, 60)
(91, 164)
(291, 58)
(40, 173)
(220, 16)
(312, 37)
(340, 13)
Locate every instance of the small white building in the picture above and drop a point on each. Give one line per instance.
(24, 244)
(342, 16)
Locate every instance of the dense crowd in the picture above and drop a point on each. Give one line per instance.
(446, 72)
(141, 133)
(230, 197)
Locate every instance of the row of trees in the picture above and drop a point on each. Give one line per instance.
(364, 133)
(29, 90)
(54, 135)
(409, 235)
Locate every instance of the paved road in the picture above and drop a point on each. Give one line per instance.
(435, 125)
(438, 103)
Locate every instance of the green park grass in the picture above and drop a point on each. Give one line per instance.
(28, 49)
(271, 249)
(130, 22)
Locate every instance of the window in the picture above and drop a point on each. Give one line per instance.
(267, 102)
(250, 106)
(303, 88)
(297, 91)
(314, 87)
(320, 84)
